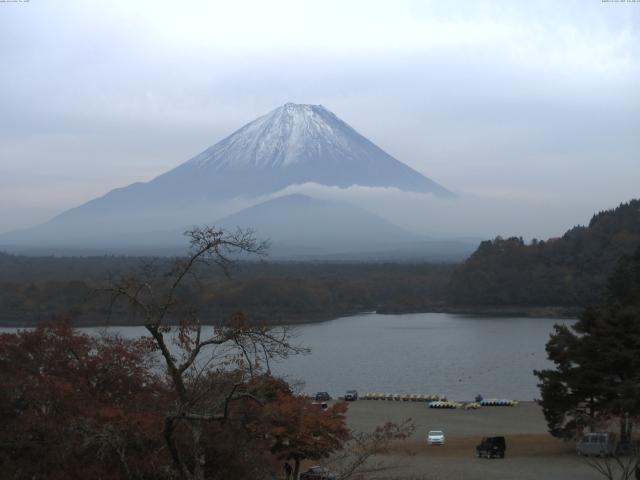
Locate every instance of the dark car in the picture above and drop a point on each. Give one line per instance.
(351, 395)
(318, 473)
(491, 447)
(322, 397)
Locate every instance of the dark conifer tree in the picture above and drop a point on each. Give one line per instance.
(596, 378)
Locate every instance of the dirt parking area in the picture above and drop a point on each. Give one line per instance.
(531, 452)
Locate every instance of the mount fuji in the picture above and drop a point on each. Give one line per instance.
(291, 145)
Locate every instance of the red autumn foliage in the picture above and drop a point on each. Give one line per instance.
(77, 406)
(80, 406)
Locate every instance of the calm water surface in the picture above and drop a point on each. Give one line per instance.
(458, 356)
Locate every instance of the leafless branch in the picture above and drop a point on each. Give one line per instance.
(156, 295)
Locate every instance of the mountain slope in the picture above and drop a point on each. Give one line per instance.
(304, 143)
(293, 144)
(300, 224)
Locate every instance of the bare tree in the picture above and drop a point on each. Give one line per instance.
(357, 460)
(208, 368)
(616, 466)
(623, 464)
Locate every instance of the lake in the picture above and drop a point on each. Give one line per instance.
(455, 355)
(458, 356)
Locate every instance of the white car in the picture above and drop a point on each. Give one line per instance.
(435, 437)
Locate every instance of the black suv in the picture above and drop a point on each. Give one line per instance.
(491, 447)
(322, 397)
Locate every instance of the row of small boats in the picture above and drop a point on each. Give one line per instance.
(491, 402)
(440, 401)
(498, 402)
(404, 397)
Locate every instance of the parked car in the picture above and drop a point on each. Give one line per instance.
(322, 397)
(600, 444)
(491, 447)
(351, 395)
(318, 473)
(435, 437)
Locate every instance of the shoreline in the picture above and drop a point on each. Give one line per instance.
(515, 311)
(506, 311)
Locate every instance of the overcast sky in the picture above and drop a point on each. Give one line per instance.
(530, 103)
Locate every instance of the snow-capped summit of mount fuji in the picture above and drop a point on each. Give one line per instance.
(296, 144)
(289, 135)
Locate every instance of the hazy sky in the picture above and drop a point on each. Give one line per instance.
(527, 103)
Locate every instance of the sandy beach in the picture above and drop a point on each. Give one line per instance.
(532, 454)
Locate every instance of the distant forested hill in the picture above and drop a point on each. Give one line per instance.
(33, 289)
(567, 271)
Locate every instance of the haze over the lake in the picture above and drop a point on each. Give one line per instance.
(528, 110)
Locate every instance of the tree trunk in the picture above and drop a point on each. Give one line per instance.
(173, 450)
(199, 454)
(296, 469)
(625, 427)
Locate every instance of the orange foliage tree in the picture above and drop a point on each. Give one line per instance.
(302, 430)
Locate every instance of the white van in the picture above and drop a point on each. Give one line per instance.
(600, 444)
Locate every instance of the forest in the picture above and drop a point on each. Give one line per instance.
(570, 271)
(36, 288)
